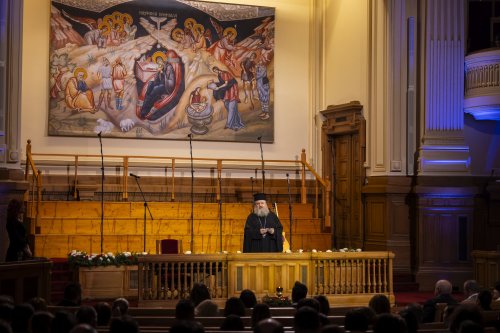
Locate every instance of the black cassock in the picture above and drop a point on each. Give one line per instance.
(253, 241)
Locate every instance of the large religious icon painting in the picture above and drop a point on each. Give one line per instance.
(156, 69)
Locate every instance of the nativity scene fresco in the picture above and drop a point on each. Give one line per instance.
(158, 69)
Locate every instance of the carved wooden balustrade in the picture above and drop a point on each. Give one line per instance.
(346, 278)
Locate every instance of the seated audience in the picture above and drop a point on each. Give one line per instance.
(484, 299)
(72, 295)
(311, 302)
(356, 320)
(199, 293)
(259, 313)
(448, 312)
(417, 311)
(410, 319)
(496, 292)
(186, 326)
(248, 298)
(332, 328)
(299, 291)
(471, 290)
(63, 322)
(442, 292)
(120, 307)
(5, 327)
(465, 312)
(6, 299)
(207, 308)
(86, 315)
(6, 311)
(124, 324)
(21, 317)
(268, 325)
(234, 306)
(38, 304)
(306, 320)
(324, 304)
(184, 310)
(380, 304)
(41, 322)
(232, 323)
(83, 328)
(387, 322)
(468, 326)
(103, 310)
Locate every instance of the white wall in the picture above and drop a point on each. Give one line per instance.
(291, 94)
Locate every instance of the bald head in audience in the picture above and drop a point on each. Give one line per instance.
(268, 325)
(443, 287)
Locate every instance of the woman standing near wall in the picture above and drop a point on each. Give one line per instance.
(18, 247)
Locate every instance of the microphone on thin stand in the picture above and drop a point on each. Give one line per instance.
(190, 136)
(102, 193)
(290, 209)
(262, 159)
(146, 207)
(251, 181)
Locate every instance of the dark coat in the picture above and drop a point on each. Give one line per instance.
(253, 241)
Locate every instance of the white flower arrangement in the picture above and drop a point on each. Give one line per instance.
(81, 258)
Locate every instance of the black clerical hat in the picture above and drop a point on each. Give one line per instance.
(259, 196)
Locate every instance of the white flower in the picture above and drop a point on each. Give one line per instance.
(144, 253)
(187, 252)
(342, 250)
(314, 251)
(225, 252)
(358, 250)
(288, 251)
(110, 254)
(328, 251)
(238, 251)
(127, 254)
(300, 251)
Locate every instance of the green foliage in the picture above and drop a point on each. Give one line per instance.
(83, 259)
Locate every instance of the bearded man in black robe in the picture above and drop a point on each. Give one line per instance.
(263, 229)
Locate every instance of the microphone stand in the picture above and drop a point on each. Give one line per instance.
(262, 159)
(192, 190)
(220, 212)
(290, 209)
(102, 193)
(146, 207)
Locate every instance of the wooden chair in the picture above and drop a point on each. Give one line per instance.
(168, 246)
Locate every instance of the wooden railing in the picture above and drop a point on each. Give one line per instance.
(35, 186)
(24, 280)
(486, 267)
(123, 163)
(349, 278)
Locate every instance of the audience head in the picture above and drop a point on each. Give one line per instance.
(6, 311)
(235, 306)
(496, 290)
(268, 325)
(72, 294)
(332, 328)
(311, 302)
(248, 298)
(448, 312)
(324, 304)
(38, 304)
(83, 328)
(103, 310)
(186, 326)
(468, 326)
(380, 304)
(207, 308)
(86, 315)
(470, 287)
(184, 310)
(120, 305)
(6, 299)
(410, 319)
(306, 320)
(199, 293)
(299, 291)
(232, 323)
(465, 312)
(356, 320)
(417, 310)
(260, 312)
(123, 324)
(484, 299)
(5, 327)
(387, 322)
(21, 317)
(41, 322)
(443, 287)
(63, 322)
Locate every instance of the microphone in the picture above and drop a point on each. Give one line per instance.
(190, 135)
(259, 138)
(99, 134)
(287, 179)
(135, 176)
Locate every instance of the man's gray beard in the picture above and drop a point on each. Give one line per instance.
(262, 212)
